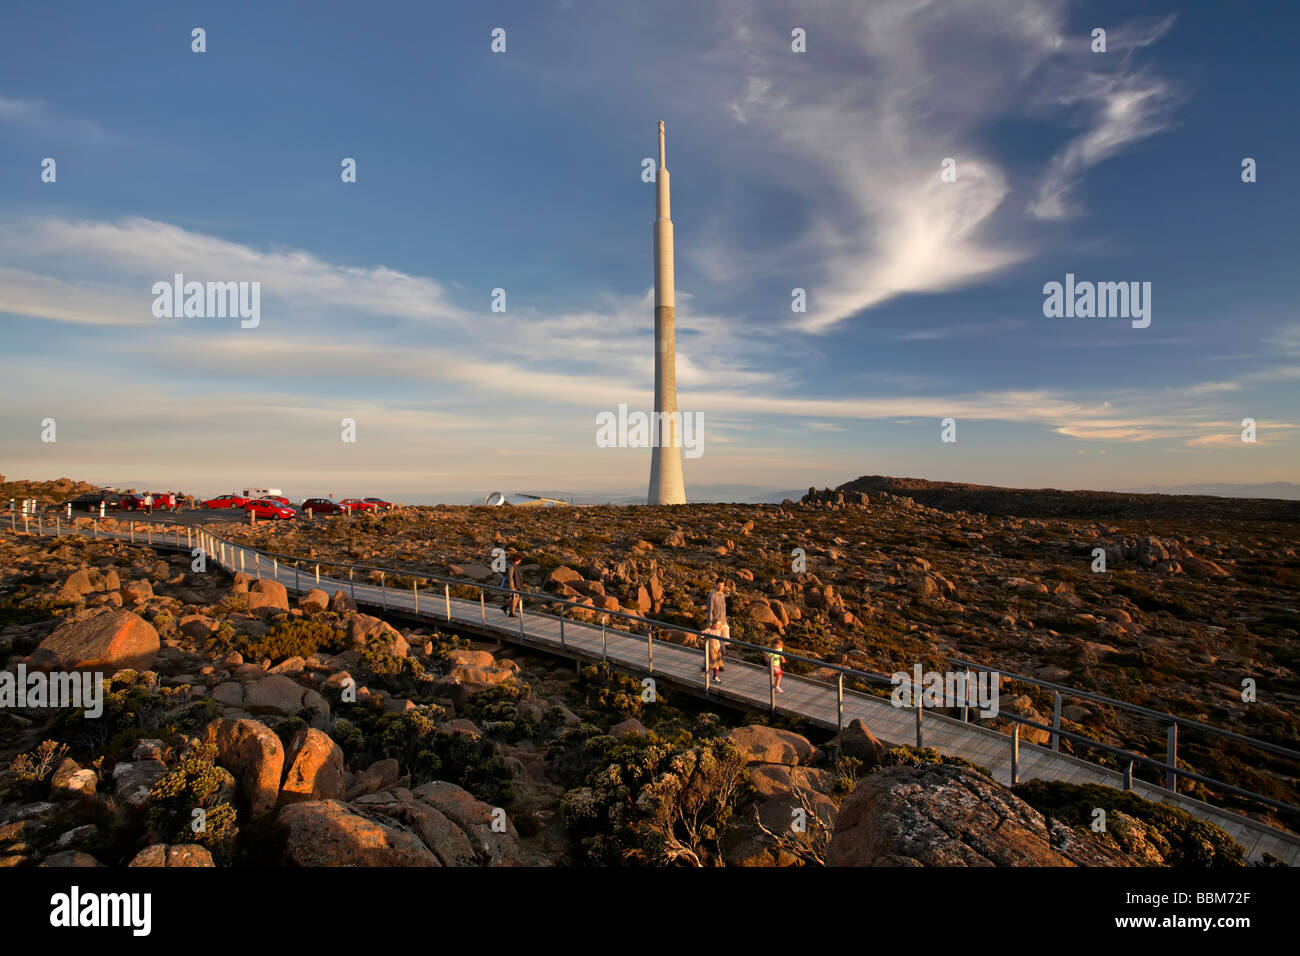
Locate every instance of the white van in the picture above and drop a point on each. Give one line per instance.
(253, 493)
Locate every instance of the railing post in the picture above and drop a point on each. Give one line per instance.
(133, 531)
(1056, 721)
(604, 646)
(561, 627)
(275, 567)
(521, 617)
(189, 537)
(1128, 776)
(95, 528)
(708, 674)
(771, 684)
(1171, 758)
(1015, 755)
(650, 649)
(446, 594)
(318, 574)
(352, 586)
(297, 586)
(257, 564)
(920, 710)
(58, 526)
(482, 607)
(415, 595)
(383, 592)
(241, 560)
(963, 682)
(839, 701)
(148, 532)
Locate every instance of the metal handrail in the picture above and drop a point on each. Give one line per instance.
(1169, 767)
(1135, 708)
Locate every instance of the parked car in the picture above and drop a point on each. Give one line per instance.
(322, 506)
(280, 498)
(381, 504)
(92, 500)
(163, 500)
(131, 502)
(225, 501)
(359, 504)
(269, 508)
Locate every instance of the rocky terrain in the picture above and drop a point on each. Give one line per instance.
(305, 733)
(1185, 612)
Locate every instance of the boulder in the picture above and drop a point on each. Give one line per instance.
(314, 771)
(498, 847)
(181, 854)
(367, 631)
(268, 594)
(380, 775)
(274, 692)
(314, 600)
(253, 753)
(943, 815)
(859, 743)
(762, 744)
(132, 781)
(760, 613)
(630, 726)
(110, 641)
(563, 575)
(69, 781)
(81, 583)
(342, 603)
(71, 858)
(330, 833)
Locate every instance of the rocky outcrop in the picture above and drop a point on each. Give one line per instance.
(762, 744)
(109, 641)
(946, 815)
(252, 752)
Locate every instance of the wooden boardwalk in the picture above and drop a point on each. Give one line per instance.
(747, 686)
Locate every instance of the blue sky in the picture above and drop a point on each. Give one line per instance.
(521, 170)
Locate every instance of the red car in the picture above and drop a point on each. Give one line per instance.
(322, 506)
(163, 500)
(270, 508)
(132, 503)
(381, 504)
(359, 504)
(282, 500)
(226, 501)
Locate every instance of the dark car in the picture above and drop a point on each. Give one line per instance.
(323, 506)
(92, 500)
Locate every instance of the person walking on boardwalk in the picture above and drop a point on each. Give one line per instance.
(718, 609)
(514, 583)
(777, 659)
(713, 653)
(148, 503)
